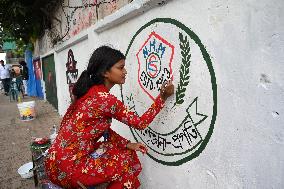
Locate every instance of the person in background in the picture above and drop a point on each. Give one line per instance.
(1, 85)
(25, 76)
(5, 76)
(77, 157)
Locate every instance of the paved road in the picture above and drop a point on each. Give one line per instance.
(16, 136)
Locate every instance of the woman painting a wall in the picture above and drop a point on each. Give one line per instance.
(77, 157)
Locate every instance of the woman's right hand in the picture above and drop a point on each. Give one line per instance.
(167, 90)
(137, 147)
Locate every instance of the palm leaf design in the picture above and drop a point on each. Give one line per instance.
(184, 69)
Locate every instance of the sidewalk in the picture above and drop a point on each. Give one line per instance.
(15, 139)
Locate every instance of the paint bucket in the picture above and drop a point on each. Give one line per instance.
(27, 110)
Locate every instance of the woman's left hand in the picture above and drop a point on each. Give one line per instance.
(137, 147)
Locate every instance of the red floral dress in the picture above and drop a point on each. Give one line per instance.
(76, 154)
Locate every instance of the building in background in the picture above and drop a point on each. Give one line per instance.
(11, 58)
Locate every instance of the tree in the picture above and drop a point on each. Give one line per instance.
(24, 21)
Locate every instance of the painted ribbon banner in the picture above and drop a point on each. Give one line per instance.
(161, 50)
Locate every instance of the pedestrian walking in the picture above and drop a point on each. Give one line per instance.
(77, 157)
(5, 76)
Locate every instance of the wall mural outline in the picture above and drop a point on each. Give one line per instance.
(201, 143)
(76, 16)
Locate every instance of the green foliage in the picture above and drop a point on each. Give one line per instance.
(184, 69)
(22, 21)
(21, 47)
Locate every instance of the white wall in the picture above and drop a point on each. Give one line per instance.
(244, 40)
(82, 53)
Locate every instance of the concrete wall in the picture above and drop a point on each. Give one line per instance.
(81, 54)
(224, 126)
(72, 17)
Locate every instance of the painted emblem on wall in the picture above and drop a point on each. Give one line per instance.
(165, 49)
(151, 72)
(71, 73)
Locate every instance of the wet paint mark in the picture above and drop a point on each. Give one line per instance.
(275, 114)
(263, 81)
(210, 173)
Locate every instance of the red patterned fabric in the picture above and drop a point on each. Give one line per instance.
(77, 155)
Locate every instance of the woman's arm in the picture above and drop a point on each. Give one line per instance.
(122, 113)
(116, 109)
(123, 143)
(117, 139)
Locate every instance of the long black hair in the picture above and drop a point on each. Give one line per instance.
(102, 59)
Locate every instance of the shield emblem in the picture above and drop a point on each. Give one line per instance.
(155, 64)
